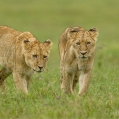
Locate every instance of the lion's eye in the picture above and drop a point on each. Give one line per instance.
(77, 43)
(88, 43)
(44, 57)
(35, 56)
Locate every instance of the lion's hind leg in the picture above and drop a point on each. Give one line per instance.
(75, 81)
(4, 73)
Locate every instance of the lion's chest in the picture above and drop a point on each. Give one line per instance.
(77, 65)
(84, 66)
(70, 66)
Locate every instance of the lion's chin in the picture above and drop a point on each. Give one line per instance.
(37, 71)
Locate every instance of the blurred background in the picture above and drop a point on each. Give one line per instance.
(48, 19)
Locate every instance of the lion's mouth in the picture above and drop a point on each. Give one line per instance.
(83, 57)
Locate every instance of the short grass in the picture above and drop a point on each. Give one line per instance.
(47, 19)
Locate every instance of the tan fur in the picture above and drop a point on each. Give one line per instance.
(76, 47)
(21, 54)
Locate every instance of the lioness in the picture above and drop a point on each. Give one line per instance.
(21, 54)
(76, 47)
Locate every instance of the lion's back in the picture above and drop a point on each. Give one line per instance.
(7, 44)
(6, 29)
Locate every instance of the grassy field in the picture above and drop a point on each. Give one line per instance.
(46, 20)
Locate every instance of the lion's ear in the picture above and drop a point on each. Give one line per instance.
(26, 41)
(26, 38)
(25, 35)
(94, 33)
(48, 44)
(26, 45)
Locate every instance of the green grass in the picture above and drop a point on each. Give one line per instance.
(46, 20)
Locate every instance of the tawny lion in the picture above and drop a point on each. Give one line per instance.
(21, 54)
(76, 47)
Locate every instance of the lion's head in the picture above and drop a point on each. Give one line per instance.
(82, 41)
(35, 53)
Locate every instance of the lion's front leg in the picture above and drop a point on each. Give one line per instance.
(67, 83)
(28, 79)
(20, 81)
(84, 81)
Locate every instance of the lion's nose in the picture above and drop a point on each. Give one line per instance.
(40, 67)
(83, 52)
